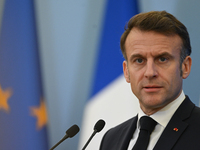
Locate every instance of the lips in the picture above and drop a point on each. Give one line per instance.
(152, 88)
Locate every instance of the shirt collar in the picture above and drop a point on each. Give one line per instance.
(164, 115)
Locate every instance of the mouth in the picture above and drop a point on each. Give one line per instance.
(152, 88)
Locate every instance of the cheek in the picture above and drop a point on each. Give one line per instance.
(176, 73)
(174, 80)
(135, 79)
(177, 82)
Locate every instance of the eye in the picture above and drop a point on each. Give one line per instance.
(162, 59)
(139, 60)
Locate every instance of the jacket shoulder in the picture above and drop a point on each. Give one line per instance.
(115, 136)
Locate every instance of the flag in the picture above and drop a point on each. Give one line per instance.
(23, 115)
(111, 97)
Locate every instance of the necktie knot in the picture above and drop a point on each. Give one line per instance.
(147, 123)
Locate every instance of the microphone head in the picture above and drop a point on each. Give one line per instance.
(73, 130)
(99, 125)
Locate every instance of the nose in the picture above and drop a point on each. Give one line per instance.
(151, 70)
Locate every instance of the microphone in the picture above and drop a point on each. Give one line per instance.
(72, 131)
(97, 128)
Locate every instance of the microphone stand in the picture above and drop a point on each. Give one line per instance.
(65, 137)
(93, 134)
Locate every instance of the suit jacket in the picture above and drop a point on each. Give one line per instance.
(186, 119)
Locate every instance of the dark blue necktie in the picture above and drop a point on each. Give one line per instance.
(147, 125)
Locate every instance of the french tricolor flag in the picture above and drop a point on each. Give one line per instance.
(111, 97)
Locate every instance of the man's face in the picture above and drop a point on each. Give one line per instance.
(153, 68)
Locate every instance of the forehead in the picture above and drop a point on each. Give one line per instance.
(150, 41)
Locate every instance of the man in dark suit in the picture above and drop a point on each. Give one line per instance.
(156, 48)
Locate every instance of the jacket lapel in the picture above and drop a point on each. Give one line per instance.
(175, 127)
(128, 134)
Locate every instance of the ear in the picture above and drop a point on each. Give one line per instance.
(126, 72)
(186, 67)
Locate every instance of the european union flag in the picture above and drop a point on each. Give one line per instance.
(23, 116)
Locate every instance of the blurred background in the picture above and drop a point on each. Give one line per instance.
(80, 73)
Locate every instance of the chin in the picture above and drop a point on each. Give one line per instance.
(154, 102)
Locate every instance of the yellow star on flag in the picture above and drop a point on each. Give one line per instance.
(40, 113)
(4, 96)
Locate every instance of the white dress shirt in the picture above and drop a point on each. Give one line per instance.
(162, 117)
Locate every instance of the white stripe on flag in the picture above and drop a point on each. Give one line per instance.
(114, 104)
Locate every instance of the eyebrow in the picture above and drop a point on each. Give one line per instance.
(136, 55)
(156, 56)
(164, 54)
